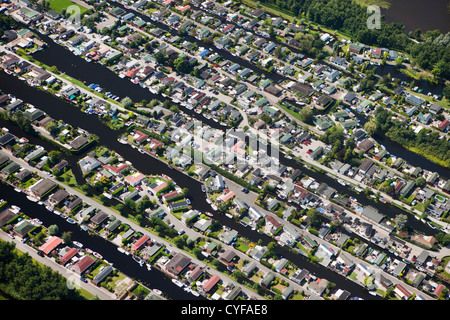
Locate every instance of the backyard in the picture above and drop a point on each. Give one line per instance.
(59, 5)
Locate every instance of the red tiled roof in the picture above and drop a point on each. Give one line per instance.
(140, 242)
(83, 264)
(170, 195)
(69, 255)
(50, 245)
(273, 221)
(211, 283)
(131, 73)
(444, 124)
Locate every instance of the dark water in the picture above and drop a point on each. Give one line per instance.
(426, 86)
(59, 109)
(398, 150)
(419, 14)
(154, 279)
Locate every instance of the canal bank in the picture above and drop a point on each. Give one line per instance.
(59, 109)
(143, 163)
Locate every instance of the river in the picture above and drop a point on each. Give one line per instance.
(94, 73)
(60, 109)
(154, 279)
(419, 14)
(107, 79)
(426, 86)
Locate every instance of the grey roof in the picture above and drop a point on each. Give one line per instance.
(103, 274)
(372, 214)
(43, 186)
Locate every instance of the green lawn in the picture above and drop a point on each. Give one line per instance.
(58, 5)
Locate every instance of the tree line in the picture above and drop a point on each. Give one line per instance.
(24, 279)
(427, 141)
(351, 19)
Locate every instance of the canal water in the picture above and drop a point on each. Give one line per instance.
(394, 72)
(419, 14)
(60, 109)
(154, 279)
(400, 151)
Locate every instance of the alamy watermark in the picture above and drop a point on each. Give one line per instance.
(374, 19)
(75, 15)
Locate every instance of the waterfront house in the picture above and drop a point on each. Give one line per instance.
(50, 245)
(177, 264)
(42, 187)
(210, 284)
(401, 292)
(82, 265)
(99, 218)
(139, 243)
(318, 286)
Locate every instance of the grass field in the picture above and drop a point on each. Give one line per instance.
(59, 5)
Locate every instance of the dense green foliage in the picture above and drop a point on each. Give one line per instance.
(24, 279)
(351, 18)
(6, 22)
(426, 141)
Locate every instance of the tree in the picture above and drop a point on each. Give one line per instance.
(54, 157)
(306, 115)
(272, 248)
(421, 182)
(181, 65)
(400, 221)
(51, 127)
(398, 62)
(53, 230)
(127, 102)
(370, 127)
(67, 237)
(314, 217)
(161, 57)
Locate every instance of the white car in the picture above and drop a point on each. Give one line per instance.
(180, 232)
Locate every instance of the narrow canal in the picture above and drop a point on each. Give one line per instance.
(60, 109)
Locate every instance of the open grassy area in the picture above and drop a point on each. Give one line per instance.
(59, 5)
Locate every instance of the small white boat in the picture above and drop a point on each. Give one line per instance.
(121, 250)
(178, 283)
(17, 190)
(149, 267)
(157, 291)
(33, 199)
(97, 255)
(78, 244)
(195, 293)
